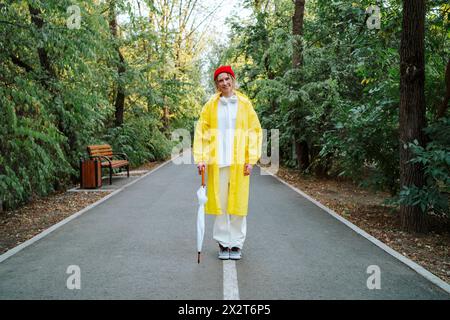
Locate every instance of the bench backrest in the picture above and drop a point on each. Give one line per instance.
(100, 150)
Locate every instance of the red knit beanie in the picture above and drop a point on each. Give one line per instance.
(222, 69)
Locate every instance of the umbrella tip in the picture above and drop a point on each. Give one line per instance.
(198, 258)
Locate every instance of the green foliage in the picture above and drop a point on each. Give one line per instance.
(31, 155)
(343, 100)
(435, 158)
(58, 88)
(140, 139)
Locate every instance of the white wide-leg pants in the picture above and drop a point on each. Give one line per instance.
(229, 229)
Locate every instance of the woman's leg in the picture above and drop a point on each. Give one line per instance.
(221, 231)
(238, 228)
(229, 230)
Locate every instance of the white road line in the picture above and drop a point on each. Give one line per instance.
(417, 268)
(230, 282)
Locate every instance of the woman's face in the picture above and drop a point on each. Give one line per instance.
(225, 84)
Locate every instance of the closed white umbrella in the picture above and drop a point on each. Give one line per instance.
(201, 195)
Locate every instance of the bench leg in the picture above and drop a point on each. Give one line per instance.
(110, 175)
(128, 171)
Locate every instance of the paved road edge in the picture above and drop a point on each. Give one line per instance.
(49, 230)
(419, 269)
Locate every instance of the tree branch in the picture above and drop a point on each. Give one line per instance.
(20, 63)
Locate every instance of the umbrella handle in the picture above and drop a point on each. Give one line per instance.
(202, 172)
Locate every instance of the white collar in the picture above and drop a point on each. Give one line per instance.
(232, 99)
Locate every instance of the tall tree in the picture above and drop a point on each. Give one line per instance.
(297, 32)
(119, 103)
(412, 107)
(444, 105)
(301, 146)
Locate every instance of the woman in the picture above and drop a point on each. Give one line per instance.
(227, 143)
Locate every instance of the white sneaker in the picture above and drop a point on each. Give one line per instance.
(224, 253)
(235, 253)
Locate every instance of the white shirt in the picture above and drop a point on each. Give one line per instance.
(227, 113)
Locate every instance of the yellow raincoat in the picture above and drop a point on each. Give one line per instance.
(246, 149)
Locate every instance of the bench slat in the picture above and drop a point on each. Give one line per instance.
(100, 150)
(115, 163)
(96, 154)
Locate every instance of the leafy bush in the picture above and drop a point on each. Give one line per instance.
(435, 158)
(31, 159)
(140, 139)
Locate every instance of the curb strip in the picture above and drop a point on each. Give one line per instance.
(419, 269)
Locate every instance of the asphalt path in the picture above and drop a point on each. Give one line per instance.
(141, 244)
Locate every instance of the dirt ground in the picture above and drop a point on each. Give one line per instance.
(362, 207)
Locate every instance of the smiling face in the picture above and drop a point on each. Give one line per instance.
(225, 84)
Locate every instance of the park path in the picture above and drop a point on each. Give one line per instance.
(140, 244)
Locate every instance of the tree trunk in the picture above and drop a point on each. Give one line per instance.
(444, 106)
(50, 78)
(297, 32)
(44, 60)
(301, 146)
(412, 107)
(120, 98)
(49, 72)
(302, 152)
(165, 118)
(119, 102)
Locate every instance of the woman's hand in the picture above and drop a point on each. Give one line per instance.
(247, 169)
(201, 165)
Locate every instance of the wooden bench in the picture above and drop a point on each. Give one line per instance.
(108, 158)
